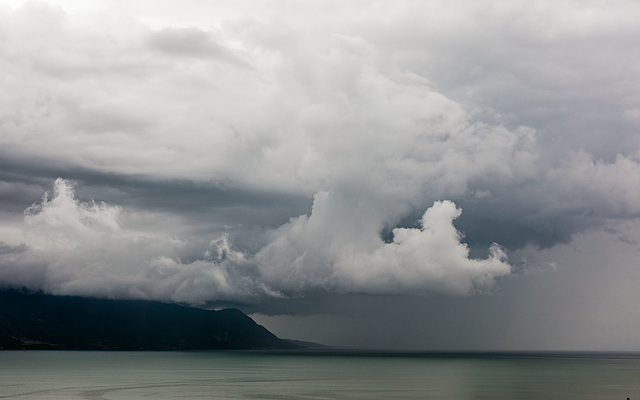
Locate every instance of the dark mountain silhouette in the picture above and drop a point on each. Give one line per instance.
(39, 321)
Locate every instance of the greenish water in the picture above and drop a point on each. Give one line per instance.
(257, 375)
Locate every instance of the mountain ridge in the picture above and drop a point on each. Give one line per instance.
(47, 322)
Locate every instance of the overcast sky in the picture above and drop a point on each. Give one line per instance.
(403, 174)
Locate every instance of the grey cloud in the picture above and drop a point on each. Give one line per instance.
(555, 68)
(9, 249)
(191, 42)
(140, 190)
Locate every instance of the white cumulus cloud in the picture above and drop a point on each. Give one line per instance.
(85, 248)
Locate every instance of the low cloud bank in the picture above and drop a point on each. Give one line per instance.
(86, 248)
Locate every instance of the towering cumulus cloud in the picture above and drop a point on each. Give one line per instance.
(85, 248)
(336, 250)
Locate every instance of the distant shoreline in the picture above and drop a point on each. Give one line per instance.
(350, 352)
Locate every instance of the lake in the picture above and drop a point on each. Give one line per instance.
(317, 375)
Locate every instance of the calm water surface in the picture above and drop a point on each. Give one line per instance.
(256, 375)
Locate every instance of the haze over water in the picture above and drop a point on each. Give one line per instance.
(345, 375)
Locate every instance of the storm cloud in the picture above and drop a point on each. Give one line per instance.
(224, 153)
